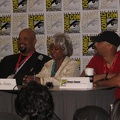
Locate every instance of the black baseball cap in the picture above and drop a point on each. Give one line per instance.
(108, 36)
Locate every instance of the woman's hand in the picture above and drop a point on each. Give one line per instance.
(29, 78)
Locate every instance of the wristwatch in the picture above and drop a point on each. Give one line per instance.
(106, 76)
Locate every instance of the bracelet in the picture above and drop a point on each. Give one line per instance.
(106, 76)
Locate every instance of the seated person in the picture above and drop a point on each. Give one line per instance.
(61, 65)
(34, 101)
(91, 113)
(27, 62)
(115, 113)
(106, 61)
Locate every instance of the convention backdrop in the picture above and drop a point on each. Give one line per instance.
(79, 18)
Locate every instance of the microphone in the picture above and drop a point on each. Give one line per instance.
(39, 58)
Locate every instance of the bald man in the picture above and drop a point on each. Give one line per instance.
(27, 62)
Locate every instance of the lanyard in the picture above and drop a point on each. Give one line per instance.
(112, 66)
(20, 64)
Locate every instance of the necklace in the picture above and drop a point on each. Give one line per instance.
(20, 63)
(112, 66)
(53, 68)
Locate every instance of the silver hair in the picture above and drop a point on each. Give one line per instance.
(63, 40)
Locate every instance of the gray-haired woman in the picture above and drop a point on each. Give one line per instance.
(61, 65)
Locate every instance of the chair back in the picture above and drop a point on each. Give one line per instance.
(91, 113)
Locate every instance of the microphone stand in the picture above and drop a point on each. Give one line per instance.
(33, 69)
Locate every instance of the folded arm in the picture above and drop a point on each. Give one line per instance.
(111, 82)
(100, 76)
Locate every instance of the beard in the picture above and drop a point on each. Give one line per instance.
(22, 50)
(96, 51)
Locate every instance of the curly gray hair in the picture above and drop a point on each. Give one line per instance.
(63, 40)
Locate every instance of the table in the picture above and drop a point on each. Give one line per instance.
(66, 101)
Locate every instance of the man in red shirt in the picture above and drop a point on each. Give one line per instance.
(106, 61)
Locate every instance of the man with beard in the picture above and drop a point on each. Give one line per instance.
(106, 61)
(27, 62)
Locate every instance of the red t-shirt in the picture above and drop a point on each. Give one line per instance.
(98, 63)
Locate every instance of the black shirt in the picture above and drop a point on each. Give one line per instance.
(33, 66)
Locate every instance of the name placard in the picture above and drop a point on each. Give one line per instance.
(76, 83)
(8, 84)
